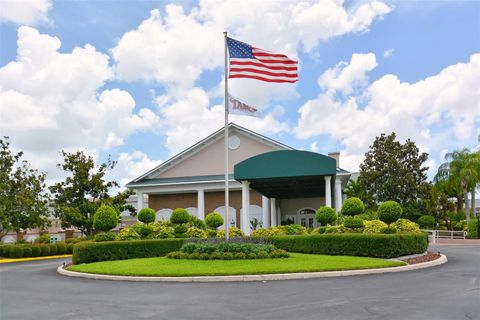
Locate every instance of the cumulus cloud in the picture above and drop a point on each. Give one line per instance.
(176, 47)
(26, 12)
(132, 165)
(51, 101)
(449, 99)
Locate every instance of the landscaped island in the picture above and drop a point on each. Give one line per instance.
(297, 262)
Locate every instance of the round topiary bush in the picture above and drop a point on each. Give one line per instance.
(389, 211)
(61, 248)
(44, 250)
(104, 236)
(352, 207)
(326, 215)
(214, 220)
(426, 222)
(15, 251)
(180, 228)
(36, 252)
(405, 226)
(353, 223)
(105, 218)
(146, 215)
(179, 215)
(53, 249)
(27, 251)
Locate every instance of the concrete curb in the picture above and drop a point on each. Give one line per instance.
(34, 258)
(259, 277)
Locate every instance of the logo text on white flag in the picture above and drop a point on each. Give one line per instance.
(235, 106)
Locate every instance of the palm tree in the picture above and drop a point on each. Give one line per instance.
(461, 171)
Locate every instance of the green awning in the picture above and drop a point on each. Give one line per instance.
(287, 173)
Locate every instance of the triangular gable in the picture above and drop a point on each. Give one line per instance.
(207, 156)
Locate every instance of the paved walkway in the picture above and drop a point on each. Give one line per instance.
(33, 290)
(457, 242)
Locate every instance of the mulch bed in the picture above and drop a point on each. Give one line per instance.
(429, 256)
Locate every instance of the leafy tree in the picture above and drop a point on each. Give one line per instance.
(78, 197)
(326, 215)
(105, 218)
(23, 200)
(393, 171)
(461, 171)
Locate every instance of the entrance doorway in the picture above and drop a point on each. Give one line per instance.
(306, 217)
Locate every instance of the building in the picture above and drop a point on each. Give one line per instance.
(270, 182)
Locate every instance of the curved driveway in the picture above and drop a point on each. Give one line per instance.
(34, 290)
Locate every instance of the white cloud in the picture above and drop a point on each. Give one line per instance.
(314, 147)
(175, 48)
(26, 12)
(449, 99)
(388, 53)
(131, 165)
(51, 101)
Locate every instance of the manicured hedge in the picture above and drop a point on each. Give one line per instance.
(368, 245)
(122, 250)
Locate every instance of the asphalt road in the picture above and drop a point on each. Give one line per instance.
(34, 290)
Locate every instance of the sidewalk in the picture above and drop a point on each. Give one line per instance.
(456, 242)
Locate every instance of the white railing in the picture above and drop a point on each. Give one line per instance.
(446, 234)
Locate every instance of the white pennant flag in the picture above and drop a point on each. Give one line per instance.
(235, 106)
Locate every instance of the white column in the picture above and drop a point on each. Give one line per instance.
(273, 212)
(139, 201)
(245, 216)
(201, 204)
(328, 191)
(265, 212)
(338, 194)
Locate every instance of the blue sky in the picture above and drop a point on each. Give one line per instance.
(154, 71)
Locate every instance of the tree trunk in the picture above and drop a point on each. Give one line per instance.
(467, 206)
(459, 203)
(473, 202)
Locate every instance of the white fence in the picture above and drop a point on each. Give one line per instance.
(445, 234)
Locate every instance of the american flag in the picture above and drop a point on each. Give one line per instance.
(254, 63)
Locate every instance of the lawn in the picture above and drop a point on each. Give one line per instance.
(175, 267)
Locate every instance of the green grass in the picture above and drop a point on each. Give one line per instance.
(297, 262)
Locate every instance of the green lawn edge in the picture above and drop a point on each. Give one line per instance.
(298, 262)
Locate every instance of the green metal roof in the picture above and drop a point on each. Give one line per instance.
(287, 173)
(285, 164)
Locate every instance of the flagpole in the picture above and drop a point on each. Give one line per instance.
(226, 140)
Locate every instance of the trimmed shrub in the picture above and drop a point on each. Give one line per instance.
(352, 207)
(326, 215)
(373, 226)
(123, 250)
(53, 249)
(44, 250)
(164, 232)
(146, 215)
(27, 251)
(144, 230)
(368, 215)
(388, 230)
(180, 228)
(179, 215)
(127, 234)
(293, 229)
(1, 250)
(104, 236)
(15, 251)
(36, 251)
(405, 226)
(75, 240)
(426, 222)
(69, 248)
(193, 232)
(211, 233)
(319, 230)
(105, 218)
(389, 211)
(473, 229)
(214, 220)
(267, 232)
(353, 223)
(196, 223)
(355, 244)
(335, 229)
(44, 238)
(61, 248)
(233, 232)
